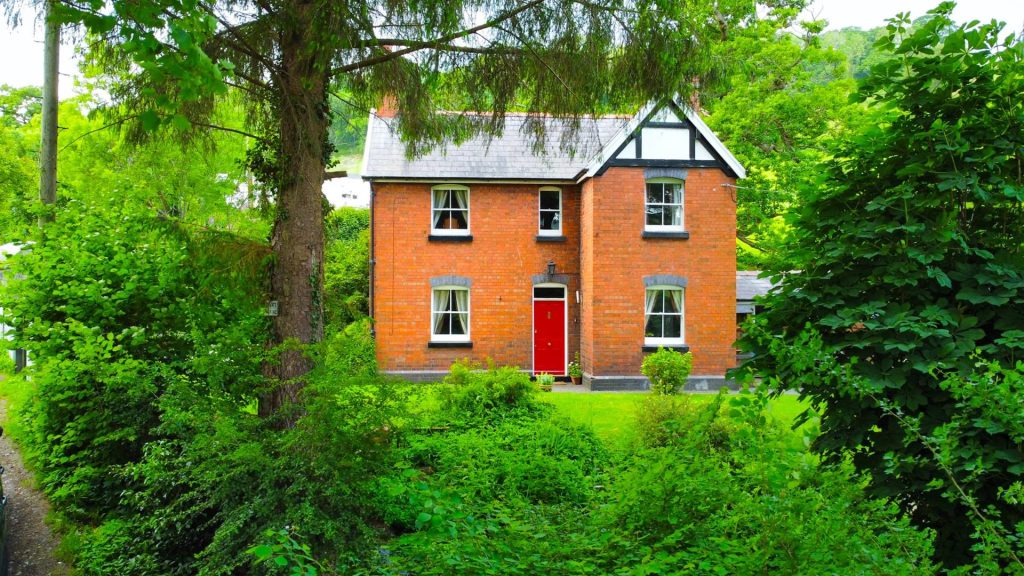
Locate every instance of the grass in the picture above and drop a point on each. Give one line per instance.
(17, 390)
(611, 414)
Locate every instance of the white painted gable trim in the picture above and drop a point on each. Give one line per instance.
(366, 143)
(609, 150)
(712, 139)
(612, 147)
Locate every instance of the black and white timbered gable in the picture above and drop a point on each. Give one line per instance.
(669, 136)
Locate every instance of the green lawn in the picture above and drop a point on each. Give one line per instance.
(611, 414)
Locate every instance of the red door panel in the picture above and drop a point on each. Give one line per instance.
(549, 337)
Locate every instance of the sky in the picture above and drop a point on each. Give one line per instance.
(22, 47)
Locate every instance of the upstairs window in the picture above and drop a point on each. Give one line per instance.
(550, 212)
(664, 316)
(449, 314)
(664, 205)
(450, 210)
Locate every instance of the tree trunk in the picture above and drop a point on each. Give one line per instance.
(48, 152)
(296, 278)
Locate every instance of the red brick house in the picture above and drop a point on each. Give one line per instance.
(486, 250)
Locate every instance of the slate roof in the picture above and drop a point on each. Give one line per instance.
(748, 285)
(509, 156)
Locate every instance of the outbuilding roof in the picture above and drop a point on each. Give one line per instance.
(749, 286)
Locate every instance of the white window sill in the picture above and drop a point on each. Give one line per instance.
(666, 342)
(449, 344)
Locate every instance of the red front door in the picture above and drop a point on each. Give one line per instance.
(549, 337)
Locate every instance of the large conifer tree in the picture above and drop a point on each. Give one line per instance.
(174, 58)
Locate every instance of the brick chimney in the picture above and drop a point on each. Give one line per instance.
(388, 107)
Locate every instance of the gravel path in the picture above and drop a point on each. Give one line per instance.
(30, 541)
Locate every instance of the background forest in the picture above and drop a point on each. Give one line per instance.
(145, 310)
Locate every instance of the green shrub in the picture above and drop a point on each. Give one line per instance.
(474, 393)
(114, 307)
(500, 497)
(663, 420)
(730, 494)
(350, 351)
(667, 370)
(346, 267)
(219, 477)
(546, 459)
(6, 362)
(907, 270)
(103, 309)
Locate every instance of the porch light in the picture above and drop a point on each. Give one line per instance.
(551, 267)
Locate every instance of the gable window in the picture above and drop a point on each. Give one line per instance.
(664, 205)
(664, 317)
(550, 212)
(449, 314)
(450, 210)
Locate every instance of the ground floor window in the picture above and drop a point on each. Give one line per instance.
(449, 314)
(664, 316)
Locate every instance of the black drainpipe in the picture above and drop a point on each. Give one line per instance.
(373, 261)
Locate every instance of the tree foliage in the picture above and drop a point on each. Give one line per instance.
(114, 309)
(910, 263)
(566, 58)
(347, 268)
(784, 99)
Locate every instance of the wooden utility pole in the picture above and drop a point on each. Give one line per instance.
(48, 153)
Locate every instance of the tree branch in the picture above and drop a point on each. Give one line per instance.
(418, 44)
(244, 45)
(229, 130)
(134, 116)
(438, 42)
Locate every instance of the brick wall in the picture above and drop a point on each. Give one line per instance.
(616, 258)
(500, 261)
(604, 256)
(587, 276)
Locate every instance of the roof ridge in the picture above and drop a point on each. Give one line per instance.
(539, 115)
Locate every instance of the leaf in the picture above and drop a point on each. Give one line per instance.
(422, 519)
(150, 120)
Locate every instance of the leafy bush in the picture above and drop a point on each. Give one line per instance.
(474, 393)
(113, 309)
(663, 420)
(909, 267)
(219, 477)
(729, 493)
(6, 362)
(350, 351)
(491, 498)
(667, 370)
(142, 425)
(751, 504)
(346, 267)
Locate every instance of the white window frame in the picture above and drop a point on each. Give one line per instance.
(561, 211)
(682, 206)
(447, 231)
(658, 341)
(469, 307)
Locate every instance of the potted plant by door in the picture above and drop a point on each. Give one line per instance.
(545, 381)
(575, 371)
